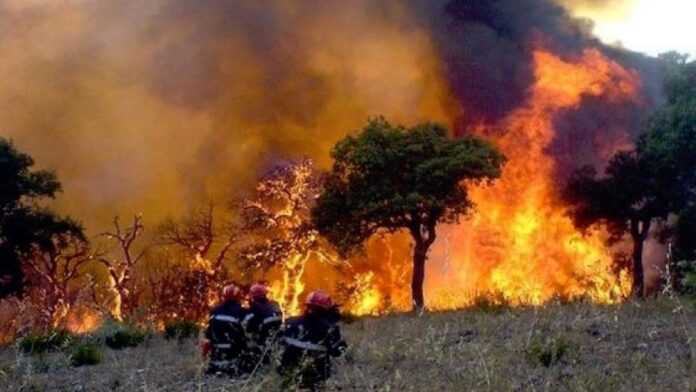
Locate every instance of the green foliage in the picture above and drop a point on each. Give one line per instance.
(86, 354)
(124, 337)
(627, 192)
(548, 352)
(684, 233)
(23, 223)
(391, 178)
(655, 180)
(688, 283)
(39, 344)
(181, 329)
(684, 251)
(669, 142)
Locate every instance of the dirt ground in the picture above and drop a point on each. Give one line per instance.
(636, 346)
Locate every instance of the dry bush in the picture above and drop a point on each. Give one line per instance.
(121, 265)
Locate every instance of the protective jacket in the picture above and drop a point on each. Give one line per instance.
(263, 322)
(227, 338)
(309, 342)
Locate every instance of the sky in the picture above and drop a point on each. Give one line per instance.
(648, 26)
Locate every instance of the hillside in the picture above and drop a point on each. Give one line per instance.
(644, 346)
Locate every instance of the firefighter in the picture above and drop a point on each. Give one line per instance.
(226, 340)
(309, 342)
(262, 323)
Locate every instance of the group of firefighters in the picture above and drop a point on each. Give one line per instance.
(240, 339)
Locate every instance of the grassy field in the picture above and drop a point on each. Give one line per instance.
(646, 346)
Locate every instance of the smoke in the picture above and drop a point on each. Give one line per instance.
(155, 106)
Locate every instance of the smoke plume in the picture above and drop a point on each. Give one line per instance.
(154, 106)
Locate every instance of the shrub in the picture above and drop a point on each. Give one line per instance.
(38, 344)
(689, 283)
(181, 329)
(86, 355)
(124, 337)
(549, 352)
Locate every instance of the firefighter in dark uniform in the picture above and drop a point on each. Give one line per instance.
(262, 323)
(309, 342)
(226, 340)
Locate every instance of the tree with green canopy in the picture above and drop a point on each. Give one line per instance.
(628, 199)
(653, 181)
(25, 226)
(389, 178)
(670, 145)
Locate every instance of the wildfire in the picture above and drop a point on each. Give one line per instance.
(83, 320)
(520, 248)
(292, 286)
(368, 299)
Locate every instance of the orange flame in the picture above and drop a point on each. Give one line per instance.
(520, 248)
(83, 320)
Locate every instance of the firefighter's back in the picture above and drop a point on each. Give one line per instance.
(226, 336)
(263, 321)
(309, 342)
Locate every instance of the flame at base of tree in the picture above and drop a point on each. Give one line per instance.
(519, 247)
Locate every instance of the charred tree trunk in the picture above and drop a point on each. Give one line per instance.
(638, 275)
(420, 254)
(639, 233)
(423, 236)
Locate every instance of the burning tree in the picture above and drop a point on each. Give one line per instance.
(646, 185)
(390, 178)
(120, 268)
(54, 273)
(627, 200)
(277, 220)
(186, 289)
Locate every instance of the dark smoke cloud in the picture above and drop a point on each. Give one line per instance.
(487, 48)
(153, 106)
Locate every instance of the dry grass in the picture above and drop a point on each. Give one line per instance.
(644, 346)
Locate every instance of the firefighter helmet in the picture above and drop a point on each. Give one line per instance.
(231, 291)
(258, 290)
(319, 299)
